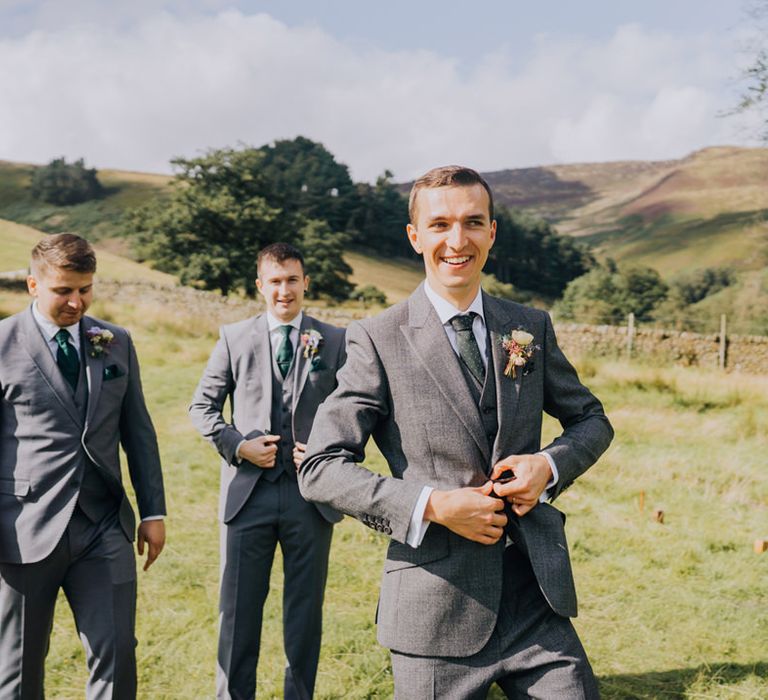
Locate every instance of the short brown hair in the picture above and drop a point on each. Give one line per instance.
(64, 251)
(279, 252)
(447, 176)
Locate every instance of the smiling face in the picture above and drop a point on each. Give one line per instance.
(63, 296)
(282, 284)
(454, 233)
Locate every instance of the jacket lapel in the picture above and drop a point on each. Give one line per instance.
(429, 342)
(499, 322)
(94, 369)
(37, 347)
(263, 354)
(302, 365)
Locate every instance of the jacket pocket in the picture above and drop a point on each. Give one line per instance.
(14, 487)
(432, 548)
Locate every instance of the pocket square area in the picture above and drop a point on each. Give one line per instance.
(112, 372)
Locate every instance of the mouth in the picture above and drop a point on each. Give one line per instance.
(456, 260)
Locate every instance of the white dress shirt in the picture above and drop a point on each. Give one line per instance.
(445, 312)
(50, 329)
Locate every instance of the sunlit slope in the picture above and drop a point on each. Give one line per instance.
(17, 240)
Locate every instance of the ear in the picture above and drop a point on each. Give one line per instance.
(258, 284)
(413, 238)
(493, 232)
(306, 283)
(32, 285)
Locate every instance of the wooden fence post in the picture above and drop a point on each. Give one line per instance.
(721, 353)
(630, 334)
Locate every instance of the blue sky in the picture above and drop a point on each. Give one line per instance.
(398, 85)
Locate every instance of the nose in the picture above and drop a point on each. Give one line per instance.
(456, 236)
(75, 301)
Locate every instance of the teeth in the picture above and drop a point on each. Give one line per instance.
(457, 260)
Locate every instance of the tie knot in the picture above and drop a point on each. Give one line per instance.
(63, 337)
(286, 330)
(463, 322)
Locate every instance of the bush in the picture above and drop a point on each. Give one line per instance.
(63, 183)
(369, 295)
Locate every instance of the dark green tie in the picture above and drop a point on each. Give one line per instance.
(66, 357)
(285, 351)
(467, 345)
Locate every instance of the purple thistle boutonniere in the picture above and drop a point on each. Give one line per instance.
(519, 347)
(101, 341)
(311, 341)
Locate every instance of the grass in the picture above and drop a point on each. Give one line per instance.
(673, 610)
(396, 278)
(17, 240)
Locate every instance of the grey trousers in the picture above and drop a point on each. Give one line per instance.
(532, 653)
(95, 566)
(275, 513)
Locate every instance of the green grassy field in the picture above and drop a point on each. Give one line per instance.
(672, 610)
(16, 242)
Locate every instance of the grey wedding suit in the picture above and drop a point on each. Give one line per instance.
(404, 385)
(65, 519)
(260, 507)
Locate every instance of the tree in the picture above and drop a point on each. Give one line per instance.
(532, 256)
(63, 183)
(307, 180)
(603, 296)
(755, 94)
(220, 213)
(381, 217)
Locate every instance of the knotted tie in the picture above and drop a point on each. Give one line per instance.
(66, 357)
(467, 345)
(285, 351)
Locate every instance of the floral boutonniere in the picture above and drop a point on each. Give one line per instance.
(519, 346)
(101, 341)
(311, 341)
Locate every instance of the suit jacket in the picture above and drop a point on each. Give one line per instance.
(44, 440)
(240, 368)
(403, 385)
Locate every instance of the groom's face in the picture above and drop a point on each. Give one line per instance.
(63, 296)
(454, 232)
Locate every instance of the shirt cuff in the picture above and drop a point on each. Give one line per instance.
(545, 494)
(152, 517)
(417, 528)
(238, 459)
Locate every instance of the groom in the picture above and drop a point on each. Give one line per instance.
(275, 369)
(70, 396)
(452, 384)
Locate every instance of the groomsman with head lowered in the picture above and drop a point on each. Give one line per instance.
(275, 369)
(70, 395)
(452, 384)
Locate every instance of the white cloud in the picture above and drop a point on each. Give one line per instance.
(134, 95)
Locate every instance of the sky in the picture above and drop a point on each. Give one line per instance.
(395, 85)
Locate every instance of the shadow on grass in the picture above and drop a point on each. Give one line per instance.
(678, 683)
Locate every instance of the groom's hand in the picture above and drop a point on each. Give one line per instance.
(261, 451)
(532, 473)
(471, 512)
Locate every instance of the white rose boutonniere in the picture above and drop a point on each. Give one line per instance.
(101, 341)
(519, 348)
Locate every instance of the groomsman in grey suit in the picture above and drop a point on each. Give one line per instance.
(70, 395)
(276, 369)
(452, 383)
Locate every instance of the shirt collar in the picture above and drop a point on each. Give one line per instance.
(50, 329)
(274, 323)
(446, 311)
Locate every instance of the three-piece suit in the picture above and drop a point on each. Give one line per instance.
(452, 598)
(261, 507)
(65, 518)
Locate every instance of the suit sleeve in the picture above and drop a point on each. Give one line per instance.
(331, 473)
(206, 410)
(139, 440)
(586, 429)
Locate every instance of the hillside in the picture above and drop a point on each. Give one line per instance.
(707, 209)
(16, 241)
